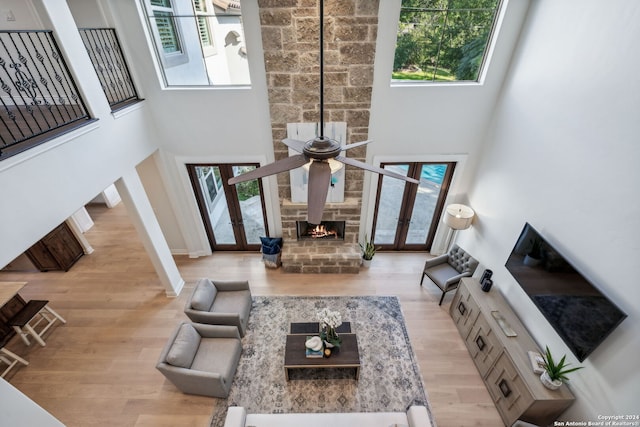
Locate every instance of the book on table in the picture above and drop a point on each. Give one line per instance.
(314, 353)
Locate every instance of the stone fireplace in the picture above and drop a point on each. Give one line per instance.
(326, 255)
(290, 41)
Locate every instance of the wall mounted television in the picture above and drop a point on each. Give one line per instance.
(577, 310)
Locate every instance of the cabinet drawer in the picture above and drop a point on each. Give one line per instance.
(483, 345)
(507, 389)
(463, 311)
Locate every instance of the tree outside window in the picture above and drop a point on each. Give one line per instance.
(443, 40)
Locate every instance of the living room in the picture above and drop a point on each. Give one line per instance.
(549, 144)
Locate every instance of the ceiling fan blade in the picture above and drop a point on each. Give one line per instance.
(317, 190)
(294, 144)
(356, 144)
(365, 166)
(271, 169)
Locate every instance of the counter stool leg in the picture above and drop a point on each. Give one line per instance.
(50, 310)
(11, 359)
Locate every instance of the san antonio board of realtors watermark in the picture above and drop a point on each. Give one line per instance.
(604, 420)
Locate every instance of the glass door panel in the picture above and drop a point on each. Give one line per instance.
(233, 216)
(406, 215)
(251, 206)
(389, 205)
(426, 200)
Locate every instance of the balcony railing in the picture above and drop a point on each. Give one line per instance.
(105, 53)
(39, 98)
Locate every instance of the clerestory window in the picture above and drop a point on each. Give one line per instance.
(444, 40)
(191, 39)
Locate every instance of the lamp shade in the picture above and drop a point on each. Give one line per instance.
(458, 217)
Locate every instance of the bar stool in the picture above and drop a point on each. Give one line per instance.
(38, 311)
(11, 359)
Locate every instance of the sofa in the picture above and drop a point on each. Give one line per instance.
(416, 416)
(220, 302)
(201, 359)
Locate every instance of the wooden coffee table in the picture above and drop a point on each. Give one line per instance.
(346, 356)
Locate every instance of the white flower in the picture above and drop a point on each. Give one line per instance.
(330, 318)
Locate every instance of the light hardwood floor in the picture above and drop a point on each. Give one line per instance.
(99, 368)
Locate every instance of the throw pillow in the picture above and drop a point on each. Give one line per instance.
(271, 245)
(203, 295)
(184, 347)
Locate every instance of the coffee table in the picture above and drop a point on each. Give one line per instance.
(346, 356)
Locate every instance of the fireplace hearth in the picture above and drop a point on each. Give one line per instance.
(326, 230)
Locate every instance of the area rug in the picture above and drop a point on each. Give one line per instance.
(389, 381)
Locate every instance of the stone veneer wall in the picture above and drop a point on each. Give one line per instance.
(290, 39)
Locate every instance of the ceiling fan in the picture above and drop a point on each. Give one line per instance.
(318, 151)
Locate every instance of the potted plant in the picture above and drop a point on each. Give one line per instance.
(555, 373)
(368, 251)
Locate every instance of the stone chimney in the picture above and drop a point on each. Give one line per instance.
(290, 38)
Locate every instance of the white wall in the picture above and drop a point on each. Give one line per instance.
(562, 154)
(43, 186)
(203, 125)
(434, 122)
(233, 124)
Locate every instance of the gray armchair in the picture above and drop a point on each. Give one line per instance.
(201, 359)
(447, 269)
(220, 303)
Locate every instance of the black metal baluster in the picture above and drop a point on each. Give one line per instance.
(107, 58)
(37, 93)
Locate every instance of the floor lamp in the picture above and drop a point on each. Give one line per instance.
(457, 217)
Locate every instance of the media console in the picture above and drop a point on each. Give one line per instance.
(499, 344)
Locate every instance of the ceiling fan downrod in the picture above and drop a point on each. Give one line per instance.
(321, 69)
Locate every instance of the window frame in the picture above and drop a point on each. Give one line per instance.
(169, 59)
(494, 26)
(202, 13)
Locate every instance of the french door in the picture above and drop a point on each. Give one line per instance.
(406, 215)
(233, 215)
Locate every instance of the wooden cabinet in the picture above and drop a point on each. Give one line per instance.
(58, 250)
(499, 344)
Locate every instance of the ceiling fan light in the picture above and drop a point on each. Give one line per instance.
(333, 164)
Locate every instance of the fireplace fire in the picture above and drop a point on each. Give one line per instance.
(324, 230)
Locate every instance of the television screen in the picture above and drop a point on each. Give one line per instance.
(576, 309)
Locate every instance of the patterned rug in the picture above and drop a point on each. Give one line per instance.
(390, 379)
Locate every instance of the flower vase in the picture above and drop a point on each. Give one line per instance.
(330, 337)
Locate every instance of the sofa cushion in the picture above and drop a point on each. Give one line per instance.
(441, 273)
(203, 295)
(218, 355)
(236, 302)
(184, 347)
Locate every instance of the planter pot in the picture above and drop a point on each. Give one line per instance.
(548, 382)
(366, 262)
